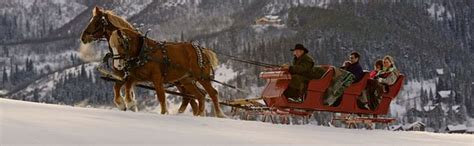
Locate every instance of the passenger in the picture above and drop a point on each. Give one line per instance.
(389, 73)
(371, 95)
(340, 81)
(353, 66)
(300, 73)
(384, 78)
(377, 68)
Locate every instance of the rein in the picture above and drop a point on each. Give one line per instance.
(256, 63)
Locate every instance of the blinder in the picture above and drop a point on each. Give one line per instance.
(102, 27)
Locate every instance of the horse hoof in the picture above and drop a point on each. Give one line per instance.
(221, 116)
(134, 109)
(122, 108)
(132, 106)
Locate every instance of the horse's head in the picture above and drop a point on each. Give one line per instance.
(98, 26)
(124, 43)
(102, 24)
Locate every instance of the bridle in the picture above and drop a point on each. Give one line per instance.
(102, 27)
(96, 36)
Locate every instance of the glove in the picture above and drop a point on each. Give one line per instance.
(380, 79)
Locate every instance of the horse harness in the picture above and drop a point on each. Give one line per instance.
(134, 62)
(131, 63)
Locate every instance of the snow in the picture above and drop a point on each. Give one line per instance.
(262, 28)
(445, 107)
(46, 84)
(44, 61)
(395, 127)
(429, 107)
(3, 92)
(440, 71)
(408, 126)
(437, 10)
(175, 3)
(397, 110)
(445, 93)
(457, 127)
(255, 91)
(276, 7)
(129, 8)
(410, 92)
(455, 108)
(323, 4)
(271, 17)
(34, 16)
(470, 129)
(25, 123)
(26, 3)
(225, 73)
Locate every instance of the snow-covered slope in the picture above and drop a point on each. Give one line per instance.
(46, 84)
(411, 94)
(41, 124)
(36, 18)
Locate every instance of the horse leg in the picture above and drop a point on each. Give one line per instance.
(214, 96)
(160, 95)
(194, 106)
(184, 103)
(130, 96)
(195, 91)
(118, 100)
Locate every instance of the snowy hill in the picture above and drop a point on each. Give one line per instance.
(46, 84)
(40, 124)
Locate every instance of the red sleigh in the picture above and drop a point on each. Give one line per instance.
(278, 80)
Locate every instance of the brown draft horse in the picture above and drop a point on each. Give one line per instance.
(101, 25)
(168, 63)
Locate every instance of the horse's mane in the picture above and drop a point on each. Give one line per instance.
(211, 55)
(118, 21)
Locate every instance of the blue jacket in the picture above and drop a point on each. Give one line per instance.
(356, 70)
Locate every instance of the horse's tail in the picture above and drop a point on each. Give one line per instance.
(211, 55)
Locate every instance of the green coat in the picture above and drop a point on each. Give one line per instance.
(300, 74)
(302, 66)
(391, 78)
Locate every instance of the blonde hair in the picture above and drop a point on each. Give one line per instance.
(389, 58)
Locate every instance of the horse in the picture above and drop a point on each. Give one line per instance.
(162, 63)
(100, 26)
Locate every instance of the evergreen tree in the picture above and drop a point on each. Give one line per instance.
(73, 60)
(83, 72)
(4, 76)
(6, 52)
